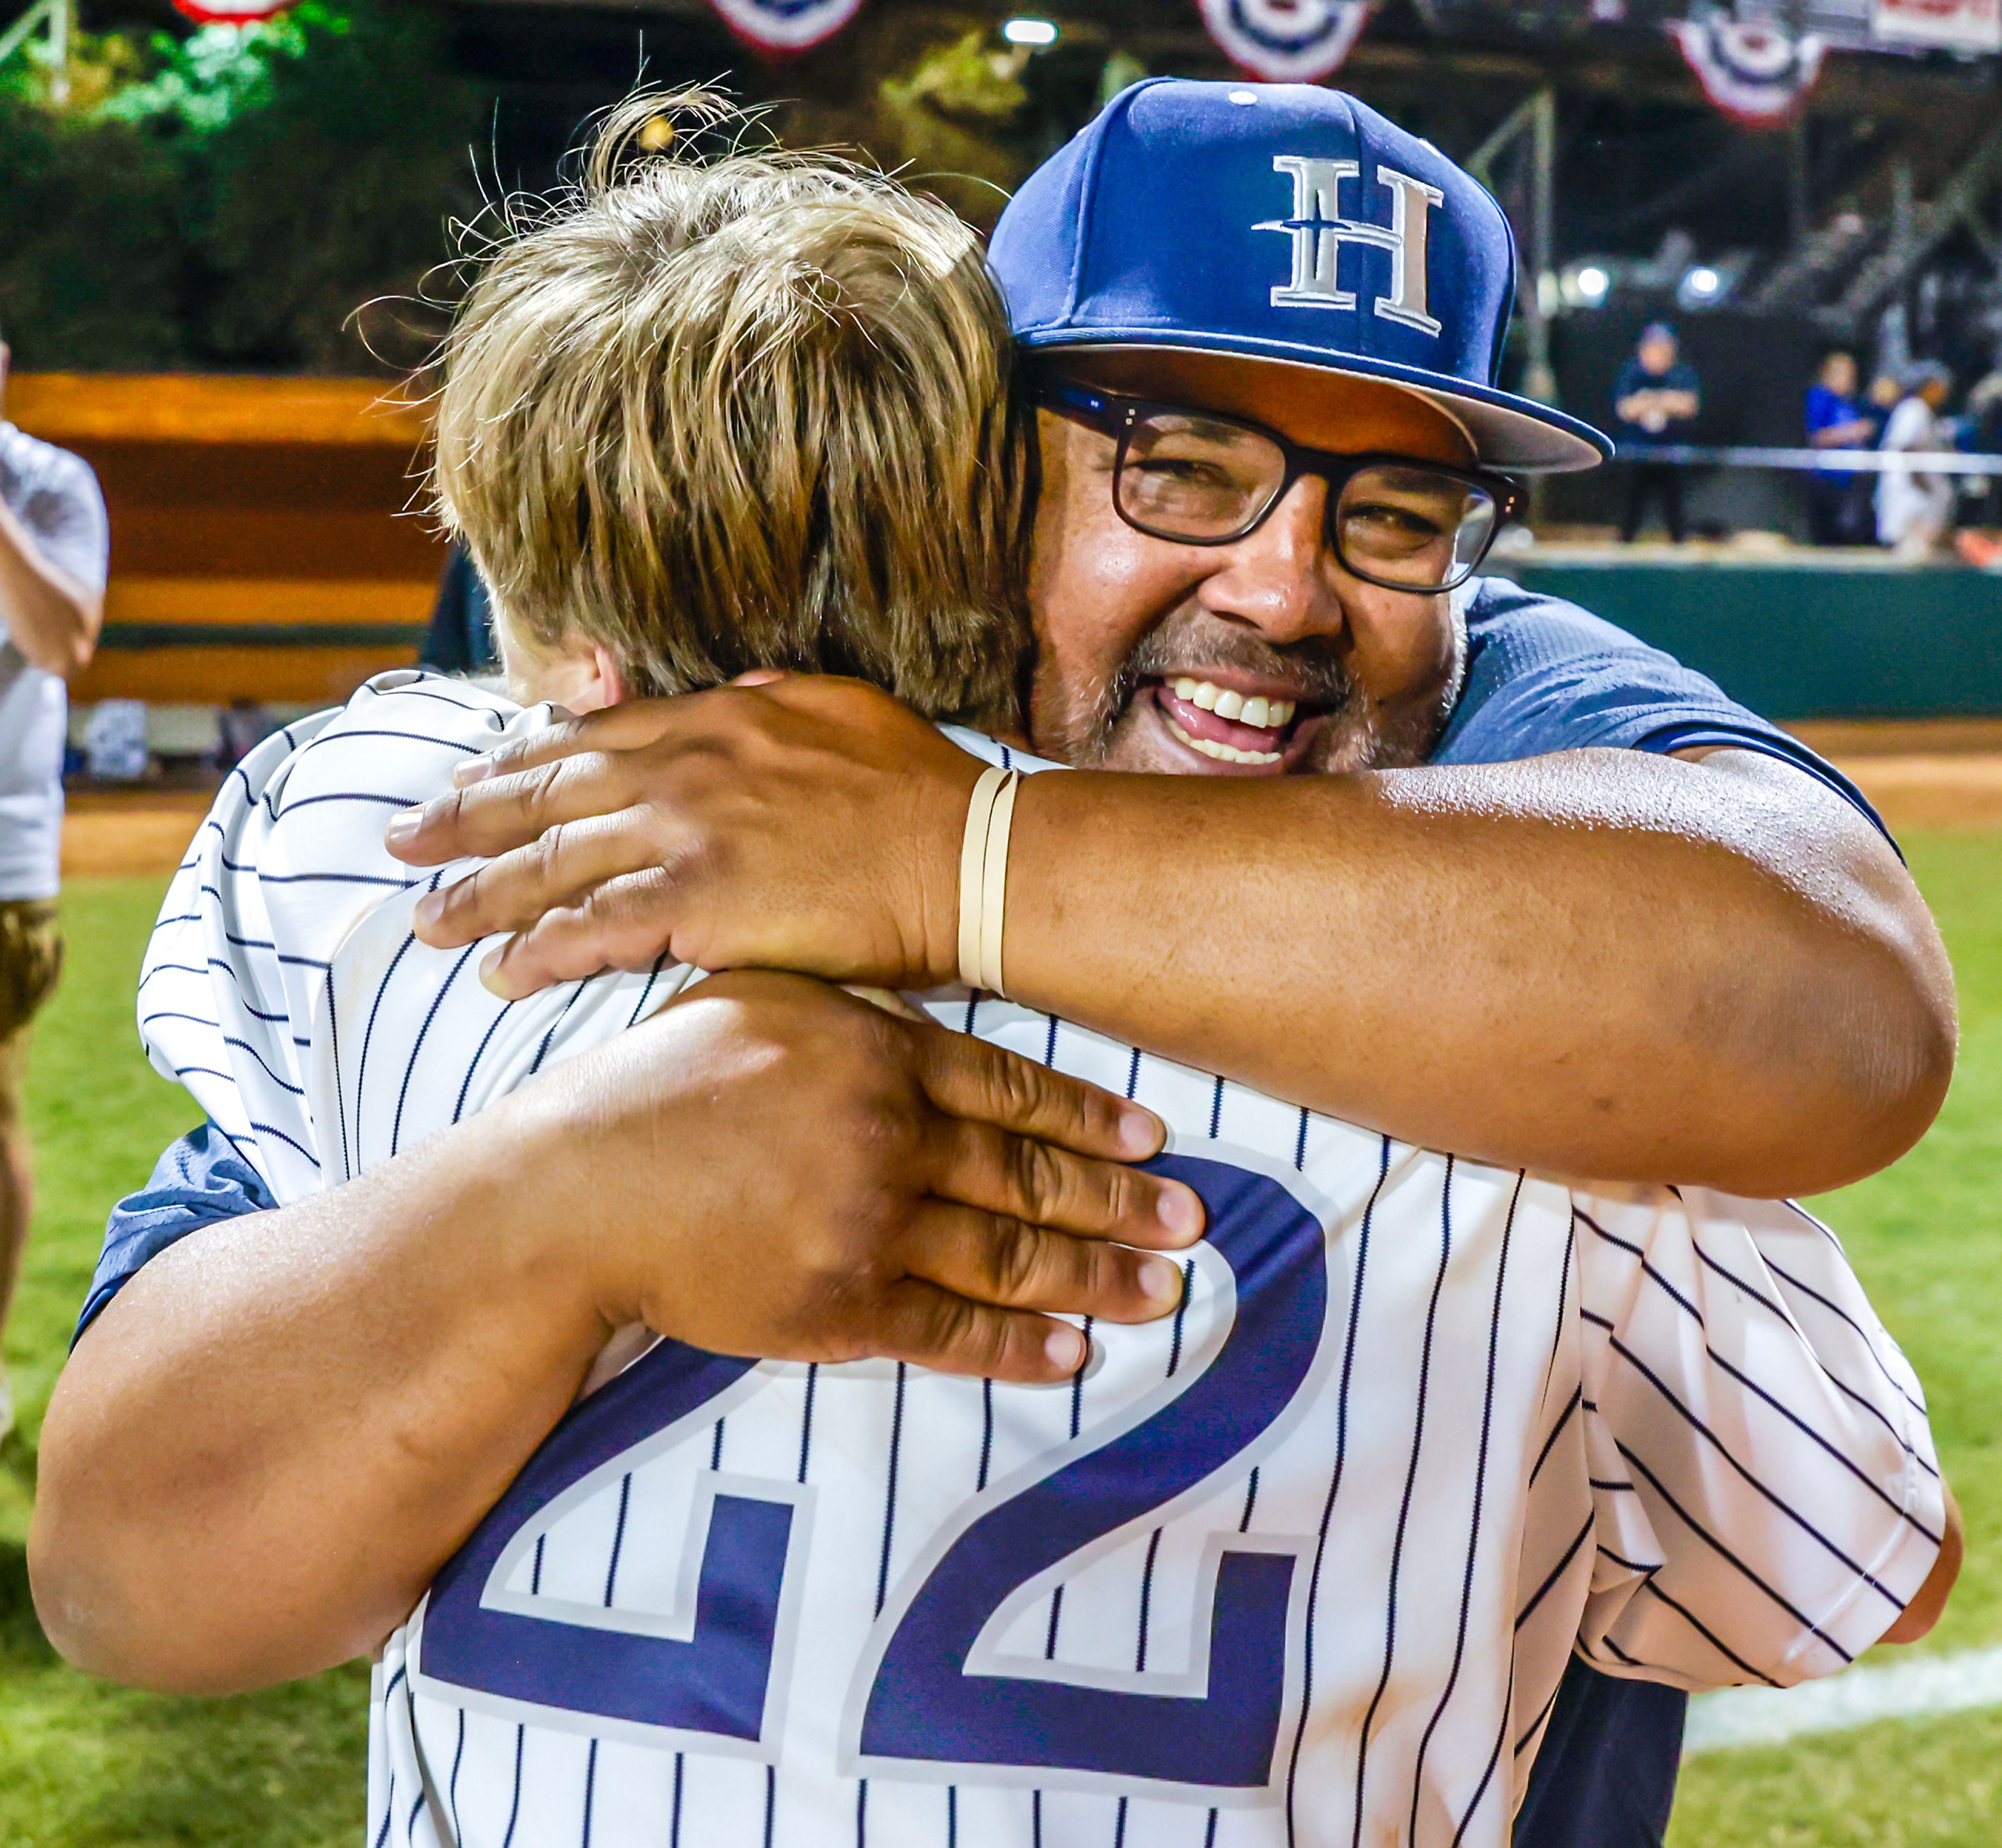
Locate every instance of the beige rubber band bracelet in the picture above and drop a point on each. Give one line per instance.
(973, 871)
(994, 885)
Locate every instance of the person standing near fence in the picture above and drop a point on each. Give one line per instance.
(1838, 508)
(1655, 401)
(1915, 508)
(54, 547)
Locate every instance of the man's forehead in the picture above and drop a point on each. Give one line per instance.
(1313, 406)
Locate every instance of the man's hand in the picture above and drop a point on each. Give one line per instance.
(265, 1448)
(809, 823)
(867, 1185)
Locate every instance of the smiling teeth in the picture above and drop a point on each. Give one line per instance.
(1226, 754)
(1263, 713)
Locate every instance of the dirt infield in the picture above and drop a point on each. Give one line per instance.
(130, 835)
(1930, 774)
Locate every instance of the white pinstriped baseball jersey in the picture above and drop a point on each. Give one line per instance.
(1302, 1564)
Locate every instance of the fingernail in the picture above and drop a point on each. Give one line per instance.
(474, 770)
(1180, 1209)
(1161, 1280)
(1066, 1349)
(402, 828)
(430, 908)
(1140, 1132)
(489, 975)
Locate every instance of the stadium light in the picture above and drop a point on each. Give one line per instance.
(1592, 285)
(1702, 283)
(1030, 32)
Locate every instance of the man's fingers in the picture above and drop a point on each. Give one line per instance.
(510, 894)
(619, 924)
(990, 1258)
(625, 727)
(979, 1166)
(931, 1327)
(968, 1078)
(494, 817)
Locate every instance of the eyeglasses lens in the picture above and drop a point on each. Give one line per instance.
(1188, 477)
(1412, 528)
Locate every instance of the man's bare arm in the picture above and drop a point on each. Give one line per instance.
(51, 617)
(1917, 1619)
(1601, 962)
(270, 1439)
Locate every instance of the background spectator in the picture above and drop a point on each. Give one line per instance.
(1884, 392)
(54, 550)
(1914, 508)
(1838, 502)
(1656, 398)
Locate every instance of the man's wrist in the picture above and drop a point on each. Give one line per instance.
(937, 842)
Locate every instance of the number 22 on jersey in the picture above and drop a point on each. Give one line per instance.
(932, 1697)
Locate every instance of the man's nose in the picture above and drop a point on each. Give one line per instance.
(1280, 578)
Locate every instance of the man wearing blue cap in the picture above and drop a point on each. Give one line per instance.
(1655, 401)
(1270, 323)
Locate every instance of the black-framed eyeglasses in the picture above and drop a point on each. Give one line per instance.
(1199, 478)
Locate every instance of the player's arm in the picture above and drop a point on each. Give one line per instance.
(50, 615)
(269, 1440)
(1662, 969)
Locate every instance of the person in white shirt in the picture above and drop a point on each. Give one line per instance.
(1914, 507)
(54, 550)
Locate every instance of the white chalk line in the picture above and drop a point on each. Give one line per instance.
(1940, 1684)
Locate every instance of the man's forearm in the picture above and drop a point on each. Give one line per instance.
(266, 1445)
(270, 1439)
(1594, 962)
(51, 617)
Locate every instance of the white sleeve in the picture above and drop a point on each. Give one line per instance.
(290, 859)
(406, 1041)
(1766, 1496)
(214, 1013)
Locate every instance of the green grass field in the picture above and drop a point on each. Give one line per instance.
(82, 1765)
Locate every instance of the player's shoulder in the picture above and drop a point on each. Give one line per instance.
(329, 792)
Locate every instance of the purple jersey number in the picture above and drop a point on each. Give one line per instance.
(923, 1705)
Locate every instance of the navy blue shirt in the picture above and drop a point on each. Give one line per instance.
(1635, 377)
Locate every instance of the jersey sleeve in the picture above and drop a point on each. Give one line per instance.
(405, 1040)
(289, 861)
(1766, 1497)
(213, 1009)
(1545, 676)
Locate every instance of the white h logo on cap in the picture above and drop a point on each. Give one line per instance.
(1319, 231)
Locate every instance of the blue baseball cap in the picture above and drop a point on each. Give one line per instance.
(1286, 223)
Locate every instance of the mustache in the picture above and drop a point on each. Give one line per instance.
(1313, 670)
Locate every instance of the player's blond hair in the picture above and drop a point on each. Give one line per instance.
(748, 411)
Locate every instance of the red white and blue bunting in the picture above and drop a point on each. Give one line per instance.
(1286, 41)
(1757, 75)
(786, 25)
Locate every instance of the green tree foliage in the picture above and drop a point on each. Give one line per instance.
(238, 202)
(91, 264)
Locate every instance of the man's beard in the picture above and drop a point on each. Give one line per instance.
(1356, 733)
